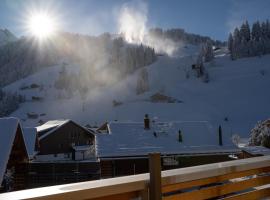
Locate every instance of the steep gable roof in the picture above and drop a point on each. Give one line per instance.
(8, 129)
(54, 125)
(30, 138)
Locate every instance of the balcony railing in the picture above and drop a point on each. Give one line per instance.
(240, 179)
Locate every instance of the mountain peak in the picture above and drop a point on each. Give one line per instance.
(6, 36)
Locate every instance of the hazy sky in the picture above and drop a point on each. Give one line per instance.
(213, 18)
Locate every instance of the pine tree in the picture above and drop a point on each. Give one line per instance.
(230, 43)
(260, 134)
(199, 65)
(142, 82)
(256, 31)
(236, 44)
(208, 51)
(245, 32)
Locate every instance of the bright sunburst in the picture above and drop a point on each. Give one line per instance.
(42, 25)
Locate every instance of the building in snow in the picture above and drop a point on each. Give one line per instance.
(12, 154)
(124, 149)
(64, 153)
(254, 151)
(63, 140)
(162, 98)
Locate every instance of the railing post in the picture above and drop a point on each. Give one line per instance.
(155, 176)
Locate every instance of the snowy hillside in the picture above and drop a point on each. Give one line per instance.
(236, 96)
(6, 36)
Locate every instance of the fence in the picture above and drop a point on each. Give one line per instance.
(239, 179)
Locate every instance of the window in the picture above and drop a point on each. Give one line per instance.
(60, 146)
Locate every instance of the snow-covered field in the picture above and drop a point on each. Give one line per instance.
(237, 90)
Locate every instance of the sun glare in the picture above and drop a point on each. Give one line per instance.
(42, 25)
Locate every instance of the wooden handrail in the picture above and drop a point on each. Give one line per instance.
(172, 180)
(215, 169)
(83, 190)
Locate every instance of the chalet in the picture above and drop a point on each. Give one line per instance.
(124, 149)
(32, 115)
(62, 152)
(65, 140)
(12, 154)
(254, 151)
(161, 98)
(31, 141)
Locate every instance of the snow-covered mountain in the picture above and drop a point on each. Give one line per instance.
(235, 97)
(6, 36)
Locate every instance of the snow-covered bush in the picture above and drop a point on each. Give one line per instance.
(235, 139)
(8, 180)
(208, 52)
(260, 134)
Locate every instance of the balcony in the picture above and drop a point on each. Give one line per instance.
(239, 179)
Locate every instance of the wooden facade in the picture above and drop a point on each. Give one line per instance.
(35, 174)
(18, 155)
(18, 152)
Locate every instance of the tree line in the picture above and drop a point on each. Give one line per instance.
(248, 42)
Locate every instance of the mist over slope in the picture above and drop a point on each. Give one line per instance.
(235, 96)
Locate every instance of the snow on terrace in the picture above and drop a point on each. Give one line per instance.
(131, 139)
(8, 128)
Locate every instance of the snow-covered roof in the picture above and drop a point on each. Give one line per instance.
(131, 139)
(51, 124)
(29, 135)
(257, 150)
(8, 128)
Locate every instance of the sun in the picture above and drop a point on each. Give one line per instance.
(42, 25)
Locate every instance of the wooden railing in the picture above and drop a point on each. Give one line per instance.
(240, 179)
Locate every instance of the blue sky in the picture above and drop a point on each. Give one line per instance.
(214, 18)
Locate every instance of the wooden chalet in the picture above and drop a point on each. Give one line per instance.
(12, 154)
(162, 98)
(64, 153)
(255, 151)
(65, 140)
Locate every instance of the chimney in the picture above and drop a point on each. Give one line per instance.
(180, 137)
(146, 122)
(220, 136)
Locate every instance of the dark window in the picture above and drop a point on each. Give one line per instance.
(60, 146)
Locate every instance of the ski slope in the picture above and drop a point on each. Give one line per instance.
(237, 90)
